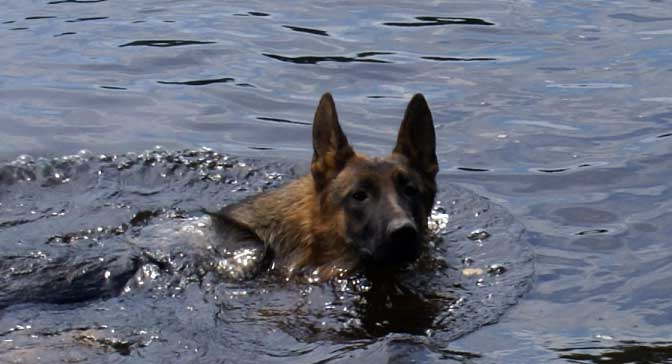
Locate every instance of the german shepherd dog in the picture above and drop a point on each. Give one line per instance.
(351, 211)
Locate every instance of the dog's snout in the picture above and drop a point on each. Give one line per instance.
(402, 232)
(400, 244)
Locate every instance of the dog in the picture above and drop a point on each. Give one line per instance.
(351, 211)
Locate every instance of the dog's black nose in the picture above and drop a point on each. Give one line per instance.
(401, 231)
(401, 244)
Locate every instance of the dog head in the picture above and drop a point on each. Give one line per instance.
(377, 206)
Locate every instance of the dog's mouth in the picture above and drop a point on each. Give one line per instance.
(391, 254)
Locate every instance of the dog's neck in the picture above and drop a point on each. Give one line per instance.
(286, 219)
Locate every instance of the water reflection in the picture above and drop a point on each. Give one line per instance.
(390, 306)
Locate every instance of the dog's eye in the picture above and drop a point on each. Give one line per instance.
(360, 195)
(410, 190)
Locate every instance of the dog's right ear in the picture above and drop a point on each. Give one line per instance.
(331, 148)
(416, 140)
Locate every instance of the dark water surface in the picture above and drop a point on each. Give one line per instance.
(559, 113)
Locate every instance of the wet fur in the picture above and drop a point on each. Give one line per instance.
(314, 224)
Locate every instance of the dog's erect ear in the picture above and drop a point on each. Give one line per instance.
(331, 148)
(416, 140)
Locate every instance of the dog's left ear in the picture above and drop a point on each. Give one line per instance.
(416, 140)
(331, 148)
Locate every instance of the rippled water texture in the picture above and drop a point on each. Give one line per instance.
(560, 112)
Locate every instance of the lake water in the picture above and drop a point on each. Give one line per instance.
(552, 116)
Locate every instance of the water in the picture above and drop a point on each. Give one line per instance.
(559, 112)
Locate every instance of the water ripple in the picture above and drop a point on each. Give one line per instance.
(588, 85)
(424, 21)
(318, 59)
(307, 30)
(253, 13)
(78, 20)
(198, 82)
(593, 232)
(554, 170)
(458, 59)
(113, 88)
(75, 2)
(638, 18)
(469, 169)
(277, 120)
(164, 43)
(369, 54)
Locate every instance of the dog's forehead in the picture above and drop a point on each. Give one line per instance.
(376, 167)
